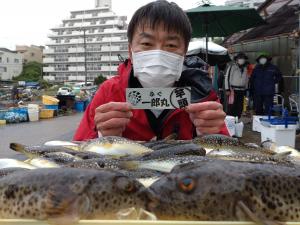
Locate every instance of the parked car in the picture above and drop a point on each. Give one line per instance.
(64, 91)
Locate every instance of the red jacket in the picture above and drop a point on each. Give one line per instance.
(113, 90)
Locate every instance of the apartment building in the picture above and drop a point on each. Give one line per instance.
(89, 43)
(31, 53)
(10, 64)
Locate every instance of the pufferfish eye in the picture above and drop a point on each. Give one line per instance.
(187, 184)
(124, 184)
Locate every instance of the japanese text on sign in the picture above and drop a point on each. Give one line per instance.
(158, 98)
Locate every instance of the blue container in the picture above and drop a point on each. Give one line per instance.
(86, 103)
(16, 115)
(79, 106)
(2, 113)
(54, 107)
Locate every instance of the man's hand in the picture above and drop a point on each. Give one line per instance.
(207, 117)
(227, 93)
(111, 118)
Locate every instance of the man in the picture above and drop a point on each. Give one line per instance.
(236, 81)
(263, 79)
(158, 35)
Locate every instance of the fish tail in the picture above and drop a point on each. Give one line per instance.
(129, 165)
(17, 147)
(282, 155)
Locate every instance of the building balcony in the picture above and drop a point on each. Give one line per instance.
(76, 50)
(109, 58)
(51, 43)
(109, 68)
(112, 39)
(48, 51)
(48, 60)
(48, 69)
(110, 48)
(76, 59)
(54, 34)
(49, 78)
(76, 78)
(76, 41)
(76, 69)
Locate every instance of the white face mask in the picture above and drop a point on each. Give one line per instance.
(157, 68)
(262, 61)
(241, 61)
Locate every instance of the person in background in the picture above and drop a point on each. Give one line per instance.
(262, 83)
(221, 87)
(159, 34)
(15, 93)
(236, 83)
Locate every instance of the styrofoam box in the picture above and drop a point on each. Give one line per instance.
(256, 125)
(279, 134)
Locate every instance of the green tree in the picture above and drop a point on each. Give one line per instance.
(99, 80)
(44, 84)
(32, 71)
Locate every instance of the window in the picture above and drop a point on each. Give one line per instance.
(32, 54)
(7, 60)
(16, 60)
(3, 69)
(0, 59)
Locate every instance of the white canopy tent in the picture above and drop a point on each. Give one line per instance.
(199, 46)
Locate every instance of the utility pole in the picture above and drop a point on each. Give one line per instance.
(84, 46)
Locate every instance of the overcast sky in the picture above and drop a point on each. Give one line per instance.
(29, 21)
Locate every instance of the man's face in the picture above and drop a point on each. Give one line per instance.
(158, 39)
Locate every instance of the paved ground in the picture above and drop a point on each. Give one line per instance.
(35, 133)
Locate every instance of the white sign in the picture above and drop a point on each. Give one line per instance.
(158, 98)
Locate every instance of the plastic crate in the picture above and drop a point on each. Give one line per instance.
(46, 113)
(2, 113)
(53, 107)
(49, 100)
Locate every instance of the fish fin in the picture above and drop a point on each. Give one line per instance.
(241, 206)
(251, 145)
(17, 147)
(72, 147)
(129, 165)
(172, 136)
(282, 155)
(154, 138)
(60, 201)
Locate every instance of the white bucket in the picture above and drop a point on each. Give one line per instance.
(230, 124)
(33, 114)
(239, 127)
(33, 106)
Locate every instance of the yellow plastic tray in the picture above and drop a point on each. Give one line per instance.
(49, 100)
(46, 113)
(133, 222)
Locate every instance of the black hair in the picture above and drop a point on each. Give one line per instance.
(161, 11)
(241, 55)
